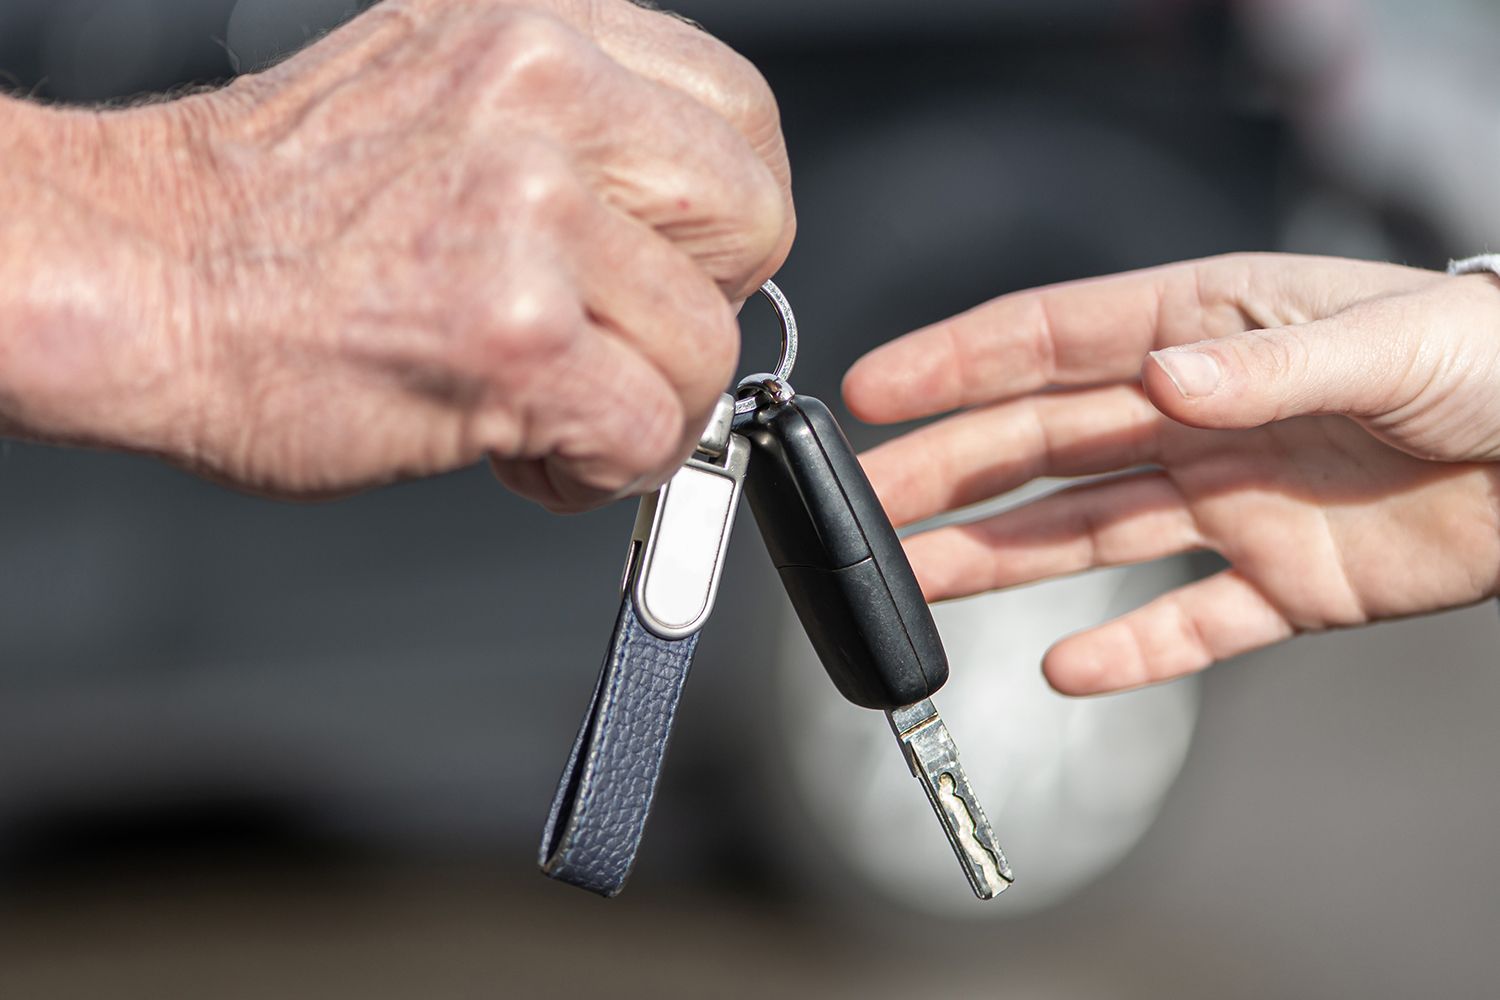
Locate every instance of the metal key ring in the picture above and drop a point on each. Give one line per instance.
(788, 358)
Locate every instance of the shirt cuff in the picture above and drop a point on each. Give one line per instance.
(1475, 265)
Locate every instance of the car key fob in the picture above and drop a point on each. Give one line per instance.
(854, 590)
(839, 558)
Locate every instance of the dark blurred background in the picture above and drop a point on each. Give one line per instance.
(255, 750)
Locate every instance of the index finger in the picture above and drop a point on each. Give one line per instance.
(1078, 333)
(676, 52)
(673, 51)
(1100, 329)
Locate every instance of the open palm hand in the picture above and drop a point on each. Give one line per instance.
(1337, 458)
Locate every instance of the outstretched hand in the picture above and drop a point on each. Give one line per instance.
(1325, 425)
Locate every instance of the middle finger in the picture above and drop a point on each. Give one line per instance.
(981, 453)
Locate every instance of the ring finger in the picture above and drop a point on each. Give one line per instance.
(1115, 522)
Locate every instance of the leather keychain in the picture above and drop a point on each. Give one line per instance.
(598, 815)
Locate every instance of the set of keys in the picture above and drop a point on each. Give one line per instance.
(848, 579)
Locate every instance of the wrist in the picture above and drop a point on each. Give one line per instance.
(95, 247)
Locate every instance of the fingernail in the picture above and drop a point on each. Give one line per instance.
(1192, 372)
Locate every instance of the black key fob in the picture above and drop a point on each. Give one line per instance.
(839, 558)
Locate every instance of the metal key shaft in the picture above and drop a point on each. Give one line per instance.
(933, 758)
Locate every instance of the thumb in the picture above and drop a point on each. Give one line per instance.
(1253, 378)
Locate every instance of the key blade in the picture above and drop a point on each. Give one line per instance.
(933, 758)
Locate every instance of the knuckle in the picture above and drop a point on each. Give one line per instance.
(749, 98)
(510, 337)
(530, 189)
(1234, 260)
(729, 83)
(754, 214)
(766, 210)
(755, 189)
(532, 54)
(1276, 354)
(1036, 352)
(538, 184)
(495, 430)
(1226, 275)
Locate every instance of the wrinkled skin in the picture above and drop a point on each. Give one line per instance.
(452, 229)
(1336, 449)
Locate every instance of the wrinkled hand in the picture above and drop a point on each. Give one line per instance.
(1325, 425)
(452, 229)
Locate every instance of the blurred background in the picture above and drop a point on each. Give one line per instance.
(252, 750)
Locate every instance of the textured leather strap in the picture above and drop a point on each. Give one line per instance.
(602, 801)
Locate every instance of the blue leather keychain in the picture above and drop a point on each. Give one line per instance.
(671, 578)
(848, 579)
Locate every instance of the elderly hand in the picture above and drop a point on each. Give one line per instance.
(452, 229)
(1325, 425)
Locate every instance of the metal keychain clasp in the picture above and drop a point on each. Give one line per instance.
(681, 532)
